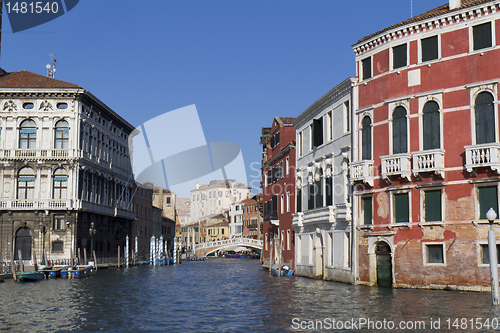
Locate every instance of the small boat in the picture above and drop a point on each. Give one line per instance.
(76, 272)
(53, 271)
(234, 255)
(29, 276)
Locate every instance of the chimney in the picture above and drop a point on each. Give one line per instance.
(455, 4)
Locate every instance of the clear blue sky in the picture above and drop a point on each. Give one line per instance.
(240, 62)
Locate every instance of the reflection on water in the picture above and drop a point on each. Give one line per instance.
(215, 295)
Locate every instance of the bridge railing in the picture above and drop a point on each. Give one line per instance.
(238, 240)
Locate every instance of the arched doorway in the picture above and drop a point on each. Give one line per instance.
(384, 264)
(23, 243)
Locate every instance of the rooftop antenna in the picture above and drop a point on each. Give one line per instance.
(51, 69)
(411, 8)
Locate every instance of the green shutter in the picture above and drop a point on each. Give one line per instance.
(429, 48)
(399, 56)
(485, 118)
(482, 36)
(299, 200)
(367, 210)
(433, 205)
(488, 198)
(329, 191)
(367, 68)
(401, 208)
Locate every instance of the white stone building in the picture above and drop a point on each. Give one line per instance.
(236, 219)
(65, 164)
(216, 197)
(323, 223)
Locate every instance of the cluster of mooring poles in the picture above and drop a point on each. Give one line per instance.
(158, 252)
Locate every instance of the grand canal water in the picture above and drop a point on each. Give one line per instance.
(227, 295)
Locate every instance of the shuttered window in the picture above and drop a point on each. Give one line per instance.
(488, 198)
(431, 123)
(318, 132)
(482, 36)
(399, 131)
(401, 208)
(429, 48)
(433, 205)
(366, 65)
(366, 134)
(485, 118)
(399, 56)
(367, 210)
(485, 254)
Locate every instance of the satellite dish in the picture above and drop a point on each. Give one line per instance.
(47, 66)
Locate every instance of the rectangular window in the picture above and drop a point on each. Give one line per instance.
(366, 203)
(287, 202)
(485, 254)
(488, 198)
(58, 246)
(347, 117)
(59, 222)
(330, 125)
(299, 200)
(429, 48)
(282, 204)
(434, 253)
(433, 206)
(267, 241)
(399, 56)
(318, 132)
(366, 67)
(318, 193)
(329, 191)
(287, 165)
(300, 143)
(401, 208)
(310, 201)
(481, 35)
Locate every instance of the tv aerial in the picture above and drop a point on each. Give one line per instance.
(51, 68)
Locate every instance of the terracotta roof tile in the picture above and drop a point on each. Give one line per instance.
(443, 9)
(25, 79)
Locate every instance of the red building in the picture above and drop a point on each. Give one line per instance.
(278, 187)
(251, 217)
(427, 150)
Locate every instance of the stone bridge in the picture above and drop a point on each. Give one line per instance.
(203, 249)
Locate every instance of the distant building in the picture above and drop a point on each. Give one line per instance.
(165, 224)
(142, 226)
(236, 219)
(252, 219)
(65, 165)
(208, 221)
(278, 192)
(323, 222)
(215, 197)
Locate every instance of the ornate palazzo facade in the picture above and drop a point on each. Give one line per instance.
(64, 164)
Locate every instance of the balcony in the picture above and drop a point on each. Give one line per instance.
(431, 160)
(362, 171)
(37, 154)
(320, 215)
(396, 165)
(36, 204)
(482, 156)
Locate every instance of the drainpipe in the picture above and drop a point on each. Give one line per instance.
(354, 204)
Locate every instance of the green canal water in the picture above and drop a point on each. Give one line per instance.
(231, 295)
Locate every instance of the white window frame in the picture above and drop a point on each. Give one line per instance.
(475, 89)
(425, 254)
(393, 207)
(432, 34)
(288, 240)
(391, 57)
(471, 36)
(405, 103)
(422, 100)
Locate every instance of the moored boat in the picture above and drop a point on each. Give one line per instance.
(76, 272)
(53, 271)
(29, 276)
(235, 255)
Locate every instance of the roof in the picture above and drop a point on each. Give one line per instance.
(286, 120)
(443, 9)
(26, 79)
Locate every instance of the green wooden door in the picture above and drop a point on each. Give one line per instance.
(384, 265)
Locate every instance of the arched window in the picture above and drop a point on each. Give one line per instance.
(61, 135)
(399, 131)
(27, 134)
(485, 118)
(60, 184)
(366, 134)
(431, 123)
(26, 184)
